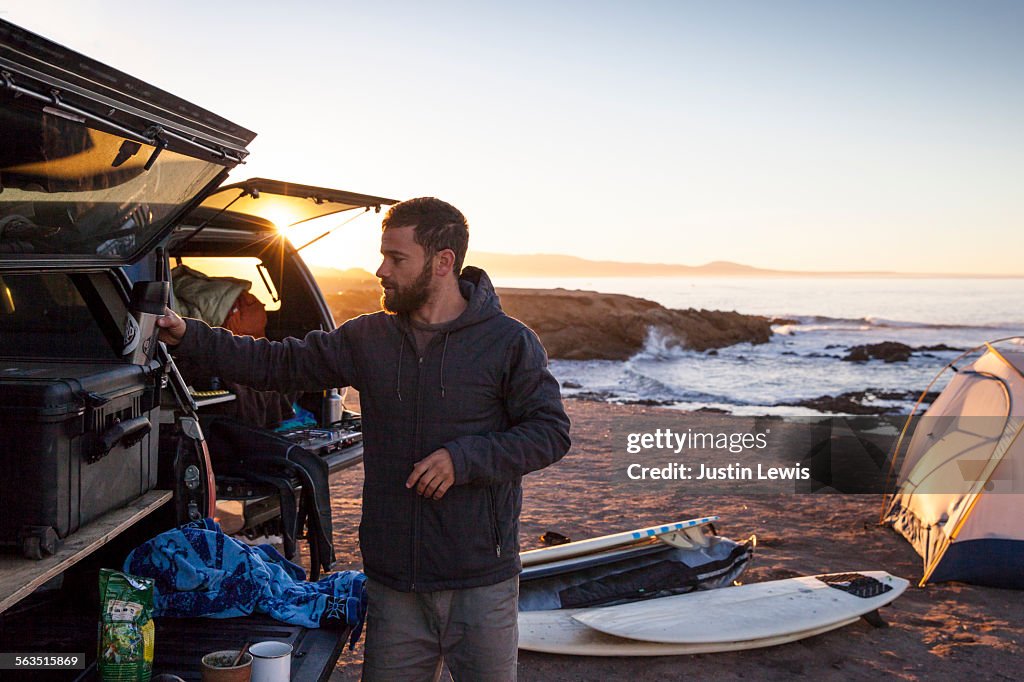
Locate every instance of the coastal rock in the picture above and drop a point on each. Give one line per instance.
(646, 402)
(891, 351)
(859, 402)
(594, 396)
(352, 301)
(586, 325)
(888, 351)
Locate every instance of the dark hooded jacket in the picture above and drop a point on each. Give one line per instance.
(481, 389)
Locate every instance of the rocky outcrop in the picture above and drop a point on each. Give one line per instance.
(586, 325)
(863, 402)
(353, 302)
(890, 351)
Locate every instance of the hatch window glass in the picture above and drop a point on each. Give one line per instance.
(73, 190)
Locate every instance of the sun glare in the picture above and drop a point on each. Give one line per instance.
(282, 219)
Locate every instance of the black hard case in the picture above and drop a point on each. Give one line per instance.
(53, 419)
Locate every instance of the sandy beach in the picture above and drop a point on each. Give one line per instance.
(945, 631)
(744, 242)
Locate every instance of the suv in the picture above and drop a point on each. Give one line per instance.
(109, 186)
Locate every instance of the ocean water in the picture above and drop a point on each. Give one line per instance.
(803, 359)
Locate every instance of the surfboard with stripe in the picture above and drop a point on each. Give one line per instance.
(607, 542)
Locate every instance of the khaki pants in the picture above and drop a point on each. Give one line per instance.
(411, 635)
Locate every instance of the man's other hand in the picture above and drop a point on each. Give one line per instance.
(433, 475)
(172, 327)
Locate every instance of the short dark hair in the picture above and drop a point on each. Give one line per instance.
(438, 226)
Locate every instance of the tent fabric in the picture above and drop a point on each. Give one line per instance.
(958, 499)
(995, 563)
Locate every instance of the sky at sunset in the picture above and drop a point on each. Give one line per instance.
(790, 135)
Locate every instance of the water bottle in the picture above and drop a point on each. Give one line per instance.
(149, 302)
(332, 408)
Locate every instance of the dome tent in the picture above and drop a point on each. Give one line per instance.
(959, 497)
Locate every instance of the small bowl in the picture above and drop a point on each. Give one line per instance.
(217, 666)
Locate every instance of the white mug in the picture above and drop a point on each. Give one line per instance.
(271, 661)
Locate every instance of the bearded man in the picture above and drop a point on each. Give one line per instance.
(458, 404)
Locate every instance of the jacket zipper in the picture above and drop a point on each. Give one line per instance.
(419, 501)
(417, 509)
(494, 522)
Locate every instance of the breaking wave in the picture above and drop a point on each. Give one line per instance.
(802, 324)
(662, 345)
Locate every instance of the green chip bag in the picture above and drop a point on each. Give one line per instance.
(126, 627)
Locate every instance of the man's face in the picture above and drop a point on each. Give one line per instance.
(406, 273)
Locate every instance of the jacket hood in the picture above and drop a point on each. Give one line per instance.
(484, 303)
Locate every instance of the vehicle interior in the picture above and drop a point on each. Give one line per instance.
(108, 183)
(227, 246)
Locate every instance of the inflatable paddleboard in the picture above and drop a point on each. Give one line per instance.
(606, 542)
(779, 608)
(555, 632)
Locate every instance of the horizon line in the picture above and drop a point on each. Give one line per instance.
(740, 269)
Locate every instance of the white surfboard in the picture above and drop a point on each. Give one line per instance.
(606, 542)
(756, 611)
(555, 632)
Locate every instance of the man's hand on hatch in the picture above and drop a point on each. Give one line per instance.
(433, 475)
(172, 327)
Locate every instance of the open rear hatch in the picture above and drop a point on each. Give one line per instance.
(285, 204)
(96, 166)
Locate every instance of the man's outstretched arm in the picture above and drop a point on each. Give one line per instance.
(320, 360)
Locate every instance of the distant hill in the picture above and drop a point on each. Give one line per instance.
(551, 265)
(555, 265)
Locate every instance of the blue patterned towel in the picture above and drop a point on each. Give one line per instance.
(200, 571)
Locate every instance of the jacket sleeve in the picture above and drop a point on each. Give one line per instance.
(320, 360)
(539, 431)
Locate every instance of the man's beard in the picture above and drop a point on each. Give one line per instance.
(410, 298)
